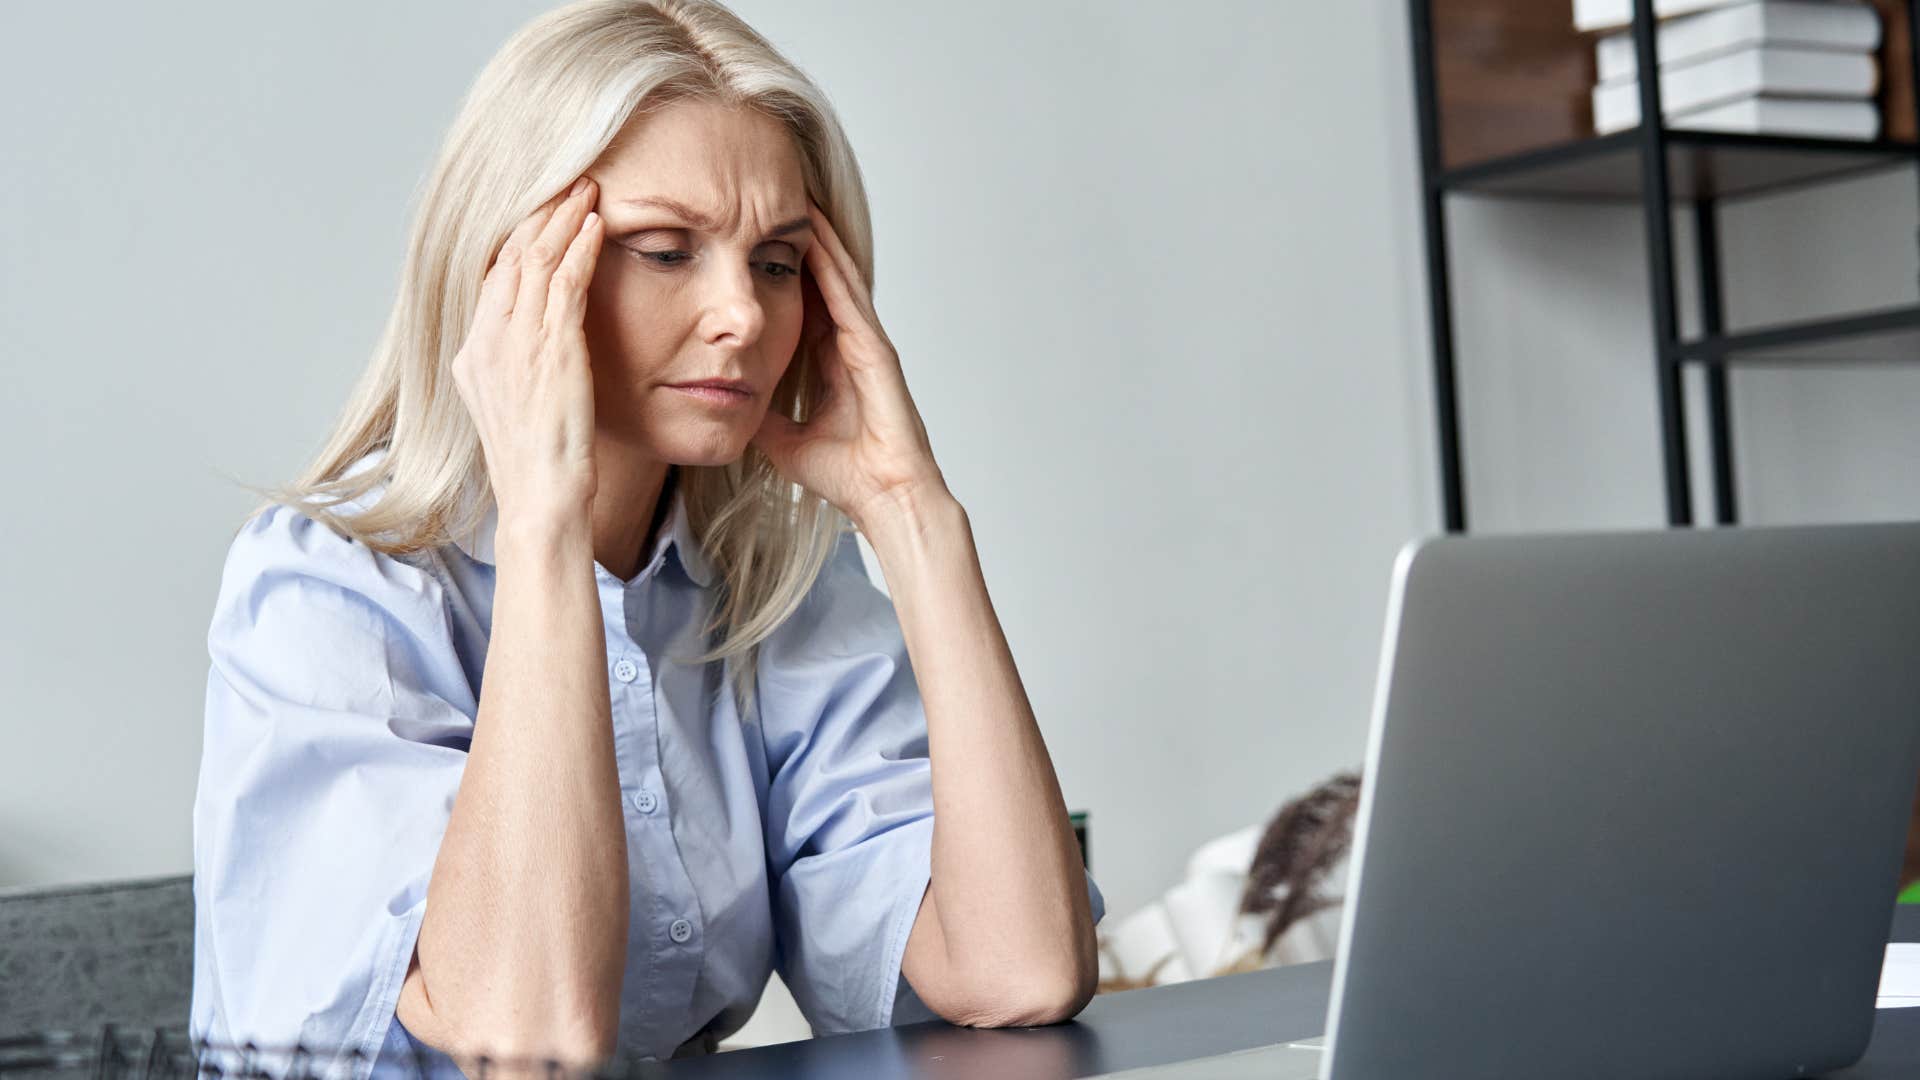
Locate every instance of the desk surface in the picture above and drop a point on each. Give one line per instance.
(1155, 1026)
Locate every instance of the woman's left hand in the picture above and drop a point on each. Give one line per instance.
(863, 449)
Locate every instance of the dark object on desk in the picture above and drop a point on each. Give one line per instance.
(75, 956)
(166, 1053)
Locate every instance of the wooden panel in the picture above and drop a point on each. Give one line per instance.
(1512, 75)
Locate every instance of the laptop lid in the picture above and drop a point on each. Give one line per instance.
(1635, 804)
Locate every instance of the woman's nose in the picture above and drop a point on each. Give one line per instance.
(733, 306)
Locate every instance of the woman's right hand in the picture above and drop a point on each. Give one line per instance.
(524, 372)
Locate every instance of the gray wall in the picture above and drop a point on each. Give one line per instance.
(1154, 272)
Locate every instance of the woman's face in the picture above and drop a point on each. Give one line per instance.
(705, 289)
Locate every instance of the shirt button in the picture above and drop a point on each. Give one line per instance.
(625, 670)
(645, 802)
(680, 931)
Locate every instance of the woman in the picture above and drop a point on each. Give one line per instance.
(708, 747)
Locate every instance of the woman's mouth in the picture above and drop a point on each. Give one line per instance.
(715, 395)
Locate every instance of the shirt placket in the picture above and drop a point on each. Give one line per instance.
(665, 925)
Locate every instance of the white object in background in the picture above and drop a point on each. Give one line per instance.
(1768, 70)
(1195, 928)
(1900, 977)
(1204, 909)
(1823, 119)
(1813, 24)
(1607, 14)
(1143, 946)
(777, 1019)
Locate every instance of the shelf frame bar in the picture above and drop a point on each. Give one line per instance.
(1439, 286)
(1875, 154)
(1779, 336)
(1706, 236)
(1657, 205)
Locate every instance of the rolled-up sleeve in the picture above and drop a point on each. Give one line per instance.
(337, 722)
(850, 805)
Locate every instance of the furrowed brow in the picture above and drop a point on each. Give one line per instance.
(701, 221)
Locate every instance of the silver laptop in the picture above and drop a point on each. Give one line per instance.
(1635, 805)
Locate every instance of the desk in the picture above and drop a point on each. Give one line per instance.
(1153, 1026)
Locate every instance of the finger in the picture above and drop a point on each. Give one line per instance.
(543, 250)
(530, 226)
(522, 235)
(566, 295)
(842, 359)
(503, 276)
(841, 306)
(817, 322)
(496, 292)
(850, 270)
(543, 254)
(845, 362)
(831, 372)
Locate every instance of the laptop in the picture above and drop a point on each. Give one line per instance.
(1635, 804)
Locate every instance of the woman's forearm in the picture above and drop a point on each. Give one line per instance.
(523, 944)
(1008, 890)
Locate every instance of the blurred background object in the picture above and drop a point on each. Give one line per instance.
(1257, 897)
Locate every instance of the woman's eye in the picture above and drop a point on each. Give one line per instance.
(777, 270)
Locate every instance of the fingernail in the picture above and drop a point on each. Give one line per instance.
(579, 186)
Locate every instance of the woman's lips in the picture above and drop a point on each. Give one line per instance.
(715, 395)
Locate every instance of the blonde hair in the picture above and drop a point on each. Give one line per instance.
(548, 105)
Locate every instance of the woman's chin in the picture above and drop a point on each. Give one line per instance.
(703, 444)
(688, 438)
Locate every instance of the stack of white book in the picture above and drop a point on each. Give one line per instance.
(1767, 67)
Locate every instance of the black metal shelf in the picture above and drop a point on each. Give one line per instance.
(1889, 336)
(1700, 165)
(1653, 167)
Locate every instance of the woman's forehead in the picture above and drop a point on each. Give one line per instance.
(714, 166)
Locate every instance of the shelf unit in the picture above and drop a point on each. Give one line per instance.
(1504, 111)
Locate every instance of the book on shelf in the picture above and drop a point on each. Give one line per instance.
(1845, 25)
(1768, 70)
(1608, 14)
(1824, 118)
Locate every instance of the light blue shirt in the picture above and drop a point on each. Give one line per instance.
(340, 706)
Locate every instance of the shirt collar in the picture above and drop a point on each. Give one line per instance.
(675, 533)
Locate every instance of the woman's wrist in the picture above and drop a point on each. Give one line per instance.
(917, 534)
(563, 536)
(910, 509)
